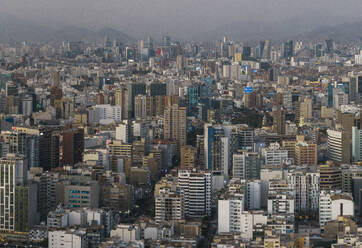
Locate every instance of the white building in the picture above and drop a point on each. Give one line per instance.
(127, 232)
(123, 132)
(196, 192)
(274, 155)
(105, 112)
(67, 238)
(332, 205)
(356, 144)
(305, 186)
(335, 145)
(253, 194)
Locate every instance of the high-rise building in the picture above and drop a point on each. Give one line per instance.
(124, 132)
(306, 109)
(216, 149)
(230, 213)
(158, 89)
(175, 124)
(168, 206)
(306, 154)
(246, 165)
(279, 120)
(338, 146)
(13, 173)
(188, 157)
(330, 176)
(288, 49)
(73, 146)
(305, 184)
(134, 89)
(196, 192)
(121, 100)
(140, 110)
(332, 205)
(274, 154)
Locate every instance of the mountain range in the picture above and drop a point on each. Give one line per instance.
(15, 29)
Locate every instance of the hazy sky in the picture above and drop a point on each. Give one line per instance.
(180, 17)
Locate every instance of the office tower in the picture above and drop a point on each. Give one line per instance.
(26, 207)
(20, 142)
(306, 109)
(356, 144)
(200, 151)
(217, 149)
(124, 132)
(138, 151)
(288, 49)
(306, 154)
(13, 173)
(246, 52)
(175, 124)
(78, 193)
(338, 146)
(140, 109)
(253, 194)
(332, 205)
(56, 92)
(305, 185)
(196, 192)
(241, 138)
(121, 100)
(279, 120)
(180, 64)
(348, 173)
(264, 49)
(330, 176)
(318, 50)
(73, 146)
(274, 154)
(246, 165)
(134, 89)
(48, 149)
(192, 98)
(168, 206)
(188, 157)
(158, 89)
(330, 46)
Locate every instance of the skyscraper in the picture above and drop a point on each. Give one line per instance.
(13, 173)
(175, 124)
(73, 146)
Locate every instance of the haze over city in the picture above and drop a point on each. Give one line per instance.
(188, 19)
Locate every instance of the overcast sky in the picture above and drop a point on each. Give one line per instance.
(180, 17)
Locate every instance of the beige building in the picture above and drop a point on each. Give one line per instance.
(188, 157)
(306, 154)
(175, 124)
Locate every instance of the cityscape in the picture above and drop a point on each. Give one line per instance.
(159, 141)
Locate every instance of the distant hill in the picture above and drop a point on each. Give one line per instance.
(15, 29)
(341, 33)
